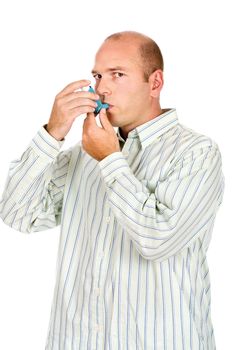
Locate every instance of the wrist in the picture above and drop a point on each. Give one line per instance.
(52, 133)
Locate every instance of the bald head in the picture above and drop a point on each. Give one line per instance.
(149, 52)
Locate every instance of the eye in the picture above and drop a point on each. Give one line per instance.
(97, 76)
(118, 74)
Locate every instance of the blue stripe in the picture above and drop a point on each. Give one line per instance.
(164, 309)
(128, 297)
(42, 150)
(48, 143)
(172, 303)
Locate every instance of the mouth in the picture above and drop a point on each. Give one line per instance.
(110, 106)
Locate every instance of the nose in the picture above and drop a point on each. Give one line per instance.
(102, 87)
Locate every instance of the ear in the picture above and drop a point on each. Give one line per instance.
(156, 83)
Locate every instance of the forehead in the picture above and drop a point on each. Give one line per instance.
(117, 53)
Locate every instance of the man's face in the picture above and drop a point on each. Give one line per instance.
(119, 79)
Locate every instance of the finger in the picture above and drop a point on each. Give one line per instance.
(87, 94)
(75, 112)
(74, 86)
(90, 119)
(79, 94)
(89, 122)
(79, 102)
(104, 120)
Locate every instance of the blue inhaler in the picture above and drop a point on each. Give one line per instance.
(100, 105)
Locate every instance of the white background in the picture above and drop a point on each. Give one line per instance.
(47, 44)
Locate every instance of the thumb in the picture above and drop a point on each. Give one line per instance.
(104, 120)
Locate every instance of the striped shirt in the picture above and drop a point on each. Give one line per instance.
(134, 231)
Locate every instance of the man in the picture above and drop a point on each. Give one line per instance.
(136, 209)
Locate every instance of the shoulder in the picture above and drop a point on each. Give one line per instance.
(189, 139)
(191, 144)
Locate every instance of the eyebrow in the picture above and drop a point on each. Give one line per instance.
(111, 69)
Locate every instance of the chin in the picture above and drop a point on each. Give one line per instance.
(111, 118)
(115, 120)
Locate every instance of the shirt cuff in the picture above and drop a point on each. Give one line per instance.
(45, 145)
(114, 166)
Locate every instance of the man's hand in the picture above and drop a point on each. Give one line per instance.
(68, 105)
(99, 142)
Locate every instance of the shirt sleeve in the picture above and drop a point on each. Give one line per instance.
(164, 222)
(33, 195)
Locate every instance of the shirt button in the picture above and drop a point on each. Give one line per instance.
(108, 219)
(97, 291)
(97, 328)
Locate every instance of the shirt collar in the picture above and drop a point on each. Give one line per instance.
(152, 129)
